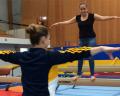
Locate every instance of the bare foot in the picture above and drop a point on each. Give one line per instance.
(92, 78)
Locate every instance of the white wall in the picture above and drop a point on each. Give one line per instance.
(16, 12)
(17, 33)
(16, 8)
(3, 14)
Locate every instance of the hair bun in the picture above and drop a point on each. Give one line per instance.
(31, 29)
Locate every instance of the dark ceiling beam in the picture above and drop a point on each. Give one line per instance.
(10, 14)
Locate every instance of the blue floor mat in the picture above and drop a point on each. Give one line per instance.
(64, 90)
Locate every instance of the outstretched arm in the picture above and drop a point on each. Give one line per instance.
(77, 54)
(105, 49)
(10, 56)
(73, 20)
(102, 18)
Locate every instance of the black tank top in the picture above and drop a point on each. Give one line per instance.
(86, 27)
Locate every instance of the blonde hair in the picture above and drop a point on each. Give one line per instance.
(83, 3)
(36, 32)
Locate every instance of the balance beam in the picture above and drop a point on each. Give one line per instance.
(88, 82)
(8, 79)
(86, 69)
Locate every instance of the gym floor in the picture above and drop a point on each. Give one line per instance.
(88, 91)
